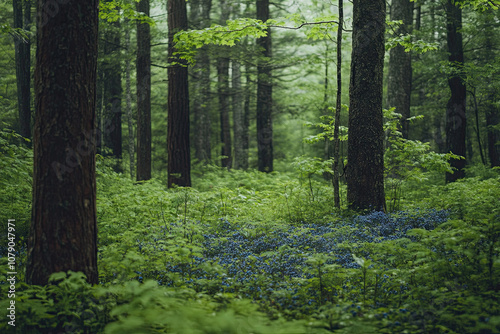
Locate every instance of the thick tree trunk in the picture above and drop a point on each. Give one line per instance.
(112, 95)
(179, 157)
(200, 18)
(400, 69)
(63, 233)
(456, 120)
(143, 68)
(338, 108)
(23, 63)
(365, 174)
(264, 95)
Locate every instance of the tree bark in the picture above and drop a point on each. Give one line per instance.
(239, 129)
(338, 108)
(179, 157)
(23, 63)
(63, 234)
(199, 19)
(128, 93)
(456, 120)
(143, 69)
(365, 170)
(225, 126)
(264, 95)
(400, 69)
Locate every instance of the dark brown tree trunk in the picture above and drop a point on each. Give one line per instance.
(225, 126)
(239, 129)
(128, 93)
(400, 69)
(456, 121)
(338, 108)
(112, 92)
(200, 18)
(179, 157)
(223, 92)
(143, 69)
(365, 174)
(63, 234)
(264, 95)
(23, 63)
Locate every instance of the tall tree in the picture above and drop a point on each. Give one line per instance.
(456, 121)
(338, 107)
(63, 233)
(179, 156)
(223, 92)
(365, 170)
(23, 64)
(400, 69)
(112, 90)
(200, 85)
(143, 68)
(128, 94)
(240, 129)
(264, 95)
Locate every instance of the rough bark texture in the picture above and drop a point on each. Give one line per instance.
(63, 233)
(143, 96)
(264, 95)
(112, 75)
(365, 174)
(456, 121)
(200, 85)
(400, 69)
(179, 158)
(23, 63)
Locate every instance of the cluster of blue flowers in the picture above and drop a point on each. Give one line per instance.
(282, 253)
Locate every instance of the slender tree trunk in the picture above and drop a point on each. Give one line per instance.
(113, 91)
(400, 69)
(200, 85)
(365, 174)
(63, 234)
(143, 69)
(128, 92)
(338, 109)
(456, 120)
(264, 95)
(240, 133)
(23, 63)
(225, 126)
(179, 157)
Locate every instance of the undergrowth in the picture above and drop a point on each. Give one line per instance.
(248, 252)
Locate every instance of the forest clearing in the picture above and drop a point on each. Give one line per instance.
(250, 166)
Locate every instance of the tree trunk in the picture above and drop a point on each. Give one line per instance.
(143, 69)
(456, 121)
(200, 85)
(365, 174)
(400, 69)
(23, 63)
(264, 95)
(112, 95)
(338, 108)
(239, 130)
(179, 157)
(130, 120)
(63, 234)
(225, 126)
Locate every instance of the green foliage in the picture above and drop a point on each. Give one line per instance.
(16, 168)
